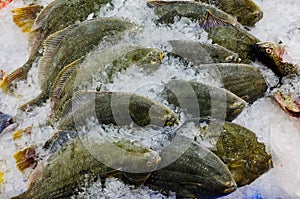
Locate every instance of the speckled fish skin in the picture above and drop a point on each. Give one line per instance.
(203, 53)
(235, 39)
(213, 103)
(198, 173)
(108, 63)
(246, 11)
(246, 81)
(56, 16)
(167, 10)
(73, 167)
(77, 41)
(268, 53)
(117, 108)
(238, 147)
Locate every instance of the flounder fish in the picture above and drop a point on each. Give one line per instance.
(238, 148)
(71, 43)
(198, 173)
(246, 11)
(198, 100)
(40, 23)
(289, 103)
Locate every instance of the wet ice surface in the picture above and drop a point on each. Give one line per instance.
(279, 131)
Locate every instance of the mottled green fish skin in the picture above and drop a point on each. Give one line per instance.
(79, 41)
(56, 16)
(197, 173)
(117, 108)
(267, 53)
(246, 11)
(108, 63)
(238, 147)
(235, 39)
(74, 167)
(167, 10)
(198, 100)
(246, 81)
(203, 53)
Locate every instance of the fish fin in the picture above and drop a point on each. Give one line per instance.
(24, 17)
(1, 177)
(78, 100)
(38, 101)
(18, 133)
(212, 21)
(62, 78)
(18, 74)
(25, 158)
(50, 46)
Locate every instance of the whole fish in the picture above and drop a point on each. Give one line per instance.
(56, 16)
(245, 81)
(75, 166)
(198, 173)
(167, 10)
(117, 108)
(246, 11)
(271, 55)
(238, 148)
(198, 100)
(104, 64)
(71, 43)
(203, 53)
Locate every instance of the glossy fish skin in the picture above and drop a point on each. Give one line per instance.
(246, 11)
(271, 55)
(167, 10)
(67, 45)
(56, 16)
(246, 81)
(203, 53)
(198, 100)
(73, 167)
(107, 64)
(238, 147)
(7, 123)
(197, 173)
(117, 108)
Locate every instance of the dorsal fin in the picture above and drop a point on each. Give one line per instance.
(24, 17)
(211, 21)
(78, 100)
(50, 47)
(62, 78)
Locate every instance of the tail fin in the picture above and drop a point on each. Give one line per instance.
(18, 74)
(24, 17)
(38, 101)
(25, 158)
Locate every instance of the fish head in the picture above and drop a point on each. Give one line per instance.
(269, 50)
(7, 123)
(249, 14)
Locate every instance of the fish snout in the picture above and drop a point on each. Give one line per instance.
(7, 123)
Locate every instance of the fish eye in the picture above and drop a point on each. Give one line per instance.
(229, 58)
(269, 50)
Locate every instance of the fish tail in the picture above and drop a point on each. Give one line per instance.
(18, 74)
(1, 177)
(38, 101)
(25, 158)
(24, 17)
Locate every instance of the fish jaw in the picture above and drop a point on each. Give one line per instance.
(7, 123)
